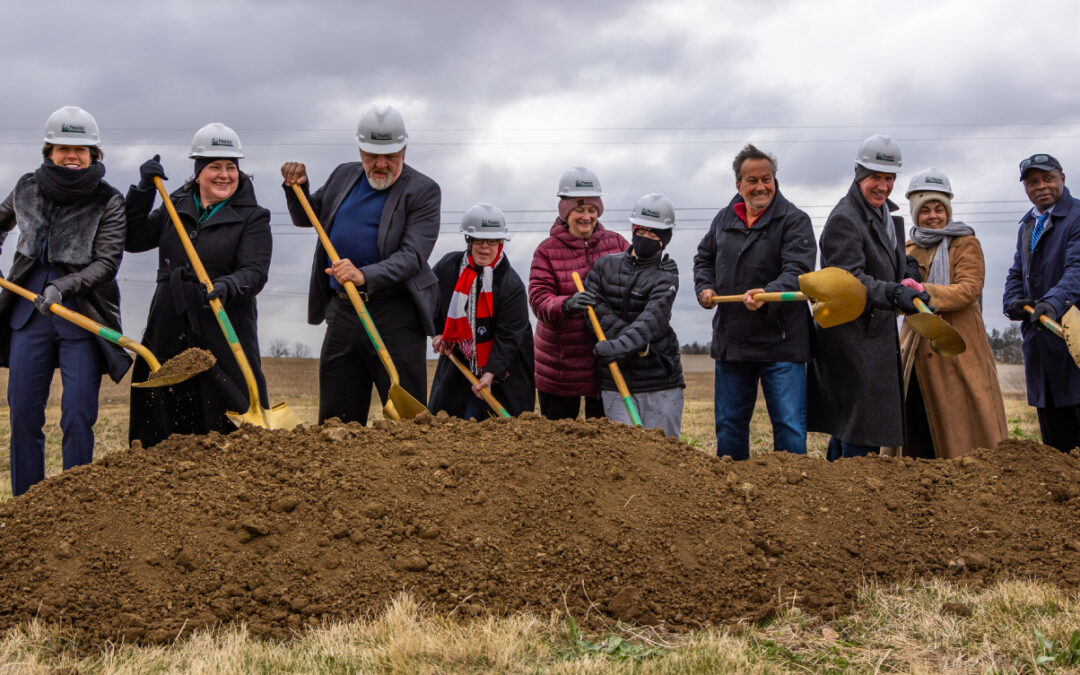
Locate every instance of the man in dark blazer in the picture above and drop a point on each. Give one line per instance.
(1045, 275)
(855, 386)
(382, 216)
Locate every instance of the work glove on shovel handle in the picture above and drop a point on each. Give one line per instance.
(904, 299)
(578, 301)
(220, 292)
(1043, 309)
(48, 296)
(605, 352)
(150, 169)
(1016, 311)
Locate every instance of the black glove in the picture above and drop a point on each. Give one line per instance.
(48, 296)
(903, 299)
(912, 269)
(1043, 308)
(578, 301)
(605, 352)
(220, 292)
(667, 264)
(150, 168)
(1016, 311)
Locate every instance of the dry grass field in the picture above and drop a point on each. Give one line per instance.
(1012, 626)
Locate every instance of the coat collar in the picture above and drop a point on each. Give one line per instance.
(776, 210)
(243, 197)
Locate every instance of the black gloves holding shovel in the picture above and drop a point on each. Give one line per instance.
(903, 298)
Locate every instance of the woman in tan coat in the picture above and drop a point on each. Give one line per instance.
(952, 404)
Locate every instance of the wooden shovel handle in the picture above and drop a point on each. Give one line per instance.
(1054, 326)
(350, 289)
(88, 324)
(616, 374)
(215, 303)
(492, 402)
(771, 296)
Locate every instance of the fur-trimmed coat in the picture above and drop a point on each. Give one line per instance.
(85, 243)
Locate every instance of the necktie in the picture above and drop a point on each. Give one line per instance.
(1037, 231)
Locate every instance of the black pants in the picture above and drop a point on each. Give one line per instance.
(349, 364)
(1060, 427)
(555, 407)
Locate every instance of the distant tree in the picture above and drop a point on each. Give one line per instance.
(1005, 345)
(279, 347)
(300, 350)
(696, 348)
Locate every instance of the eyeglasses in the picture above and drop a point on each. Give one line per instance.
(480, 242)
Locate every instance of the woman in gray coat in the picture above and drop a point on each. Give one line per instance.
(854, 381)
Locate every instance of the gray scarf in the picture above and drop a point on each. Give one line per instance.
(925, 237)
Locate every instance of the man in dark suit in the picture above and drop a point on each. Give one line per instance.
(1045, 275)
(382, 216)
(855, 386)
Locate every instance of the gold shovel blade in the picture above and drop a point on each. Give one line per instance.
(278, 417)
(1070, 326)
(402, 404)
(943, 338)
(838, 297)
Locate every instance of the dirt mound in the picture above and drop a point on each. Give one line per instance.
(287, 528)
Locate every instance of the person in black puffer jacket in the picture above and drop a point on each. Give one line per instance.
(634, 298)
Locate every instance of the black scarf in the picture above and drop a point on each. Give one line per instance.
(63, 185)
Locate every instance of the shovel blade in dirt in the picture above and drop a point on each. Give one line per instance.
(837, 296)
(943, 338)
(278, 417)
(400, 404)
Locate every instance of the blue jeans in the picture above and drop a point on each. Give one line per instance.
(841, 449)
(36, 350)
(735, 392)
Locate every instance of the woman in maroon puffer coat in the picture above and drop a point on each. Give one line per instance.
(565, 366)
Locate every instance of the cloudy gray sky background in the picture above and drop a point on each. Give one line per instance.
(500, 98)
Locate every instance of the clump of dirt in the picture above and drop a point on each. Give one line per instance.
(285, 529)
(187, 363)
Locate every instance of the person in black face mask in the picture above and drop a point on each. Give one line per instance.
(634, 297)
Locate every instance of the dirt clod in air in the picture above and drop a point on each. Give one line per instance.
(288, 529)
(188, 363)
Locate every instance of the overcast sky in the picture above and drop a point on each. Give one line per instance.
(500, 98)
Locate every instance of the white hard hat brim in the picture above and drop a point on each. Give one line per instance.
(651, 224)
(382, 148)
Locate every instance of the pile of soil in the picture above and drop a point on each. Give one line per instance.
(284, 529)
(187, 363)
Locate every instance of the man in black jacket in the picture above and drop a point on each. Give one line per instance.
(382, 216)
(634, 295)
(762, 242)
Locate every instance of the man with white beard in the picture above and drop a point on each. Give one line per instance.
(382, 216)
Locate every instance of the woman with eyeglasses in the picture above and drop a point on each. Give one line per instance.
(484, 314)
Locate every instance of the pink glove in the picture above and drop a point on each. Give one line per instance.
(911, 283)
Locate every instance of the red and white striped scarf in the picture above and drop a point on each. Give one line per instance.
(469, 317)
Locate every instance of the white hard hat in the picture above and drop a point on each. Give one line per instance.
(216, 140)
(879, 153)
(654, 211)
(579, 182)
(484, 221)
(71, 125)
(381, 130)
(931, 179)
